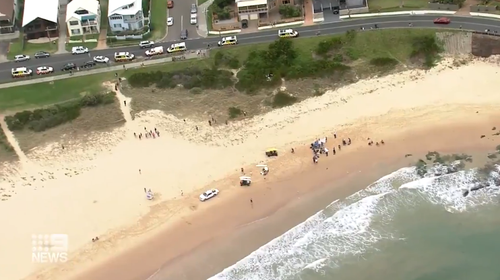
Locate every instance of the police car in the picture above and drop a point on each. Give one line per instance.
(21, 57)
(21, 72)
(179, 47)
(124, 56)
(154, 51)
(44, 70)
(226, 41)
(287, 33)
(209, 194)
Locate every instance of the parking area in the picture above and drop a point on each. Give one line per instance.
(181, 13)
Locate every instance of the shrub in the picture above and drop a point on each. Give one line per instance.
(283, 99)
(225, 59)
(196, 90)
(43, 119)
(289, 11)
(234, 112)
(384, 62)
(428, 47)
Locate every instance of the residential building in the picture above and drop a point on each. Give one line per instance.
(125, 15)
(254, 9)
(83, 17)
(7, 16)
(40, 19)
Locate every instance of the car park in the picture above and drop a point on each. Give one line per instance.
(124, 56)
(101, 59)
(21, 72)
(154, 51)
(194, 19)
(79, 50)
(179, 47)
(287, 33)
(21, 57)
(194, 10)
(226, 41)
(146, 44)
(209, 194)
(44, 70)
(442, 20)
(170, 21)
(184, 34)
(68, 67)
(41, 54)
(170, 4)
(88, 64)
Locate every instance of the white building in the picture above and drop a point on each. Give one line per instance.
(125, 15)
(83, 17)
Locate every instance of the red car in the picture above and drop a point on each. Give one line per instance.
(170, 4)
(442, 20)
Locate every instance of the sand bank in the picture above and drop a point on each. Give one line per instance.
(106, 197)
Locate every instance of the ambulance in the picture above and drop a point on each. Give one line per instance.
(227, 41)
(179, 47)
(21, 72)
(124, 56)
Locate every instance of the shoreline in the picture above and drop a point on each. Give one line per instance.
(370, 110)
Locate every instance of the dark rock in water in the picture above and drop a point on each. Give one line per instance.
(466, 193)
(496, 181)
(481, 185)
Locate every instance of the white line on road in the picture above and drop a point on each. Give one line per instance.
(182, 23)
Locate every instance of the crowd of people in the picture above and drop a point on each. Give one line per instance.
(148, 134)
(319, 147)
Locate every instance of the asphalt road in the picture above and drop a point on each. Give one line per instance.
(424, 21)
(181, 12)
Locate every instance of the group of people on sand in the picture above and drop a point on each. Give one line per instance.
(319, 147)
(148, 134)
(370, 142)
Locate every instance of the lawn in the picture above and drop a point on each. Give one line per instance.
(16, 48)
(158, 19)
(89, 45)
(201, 2)
(396, 43)
(395, 5)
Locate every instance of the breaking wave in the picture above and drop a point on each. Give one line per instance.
(352, 226)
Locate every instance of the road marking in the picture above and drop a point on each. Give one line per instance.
(182, 22)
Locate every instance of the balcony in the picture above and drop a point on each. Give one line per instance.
(253, 9)
(89, 22)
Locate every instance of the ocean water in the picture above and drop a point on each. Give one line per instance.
(402, 226)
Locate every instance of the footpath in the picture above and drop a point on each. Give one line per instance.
(119, 67)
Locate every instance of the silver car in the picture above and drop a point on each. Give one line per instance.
(194, 10)
(21, 57)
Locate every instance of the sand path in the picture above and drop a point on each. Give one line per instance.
(13, 141)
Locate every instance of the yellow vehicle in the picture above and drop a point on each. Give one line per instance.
(226, 41)
(21, 72)
(287, 33)
(179, 47)
(272, 152)
(124, 56)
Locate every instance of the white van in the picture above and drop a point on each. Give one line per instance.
(21, 72)
(179, 47)
(154, 51)
(194, 18)
(124, 56)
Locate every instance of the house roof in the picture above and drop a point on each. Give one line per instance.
(6, 9)
(46, 9)
(90, 5)
(115, 7)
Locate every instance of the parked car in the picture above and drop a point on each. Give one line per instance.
(79, 50)
(68, 67)
(44, 70)
(146, 44)
(21, 57)
(88, 64)
(184, 34)
(209, 194)
(170, 4)
(442, 20)
(194, 10)
(170, 21)
(194, 19)
(101, 59)
(41, 54)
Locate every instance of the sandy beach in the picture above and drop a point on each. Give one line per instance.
(97, 188)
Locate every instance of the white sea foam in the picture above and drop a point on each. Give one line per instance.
(346, 228)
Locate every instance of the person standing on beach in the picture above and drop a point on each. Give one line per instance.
(340, 147)
(335, 135)
(125, 103)
(333, 150)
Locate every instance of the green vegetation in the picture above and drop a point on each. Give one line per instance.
(4, 143)
(444, 159)
(189, 78)
(289, 11)
(222, 8)
(20, 47)
(283, 99)
(234, 112)
(89, 45)
(43, 119)
(384, 62)
(395, 5)
(201, 2)
(447, 160)
(450, 2)
(158, 19)
(222, 59)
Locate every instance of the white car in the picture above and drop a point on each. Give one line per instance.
(101, 59)
(209, 194)
(170, 21)
(21, 57)
(194, 18)
(146, 44)
(79, 50)
(44, 70)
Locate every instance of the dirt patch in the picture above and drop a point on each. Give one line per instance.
(456, 43)
(91, 120)
(484, 45)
